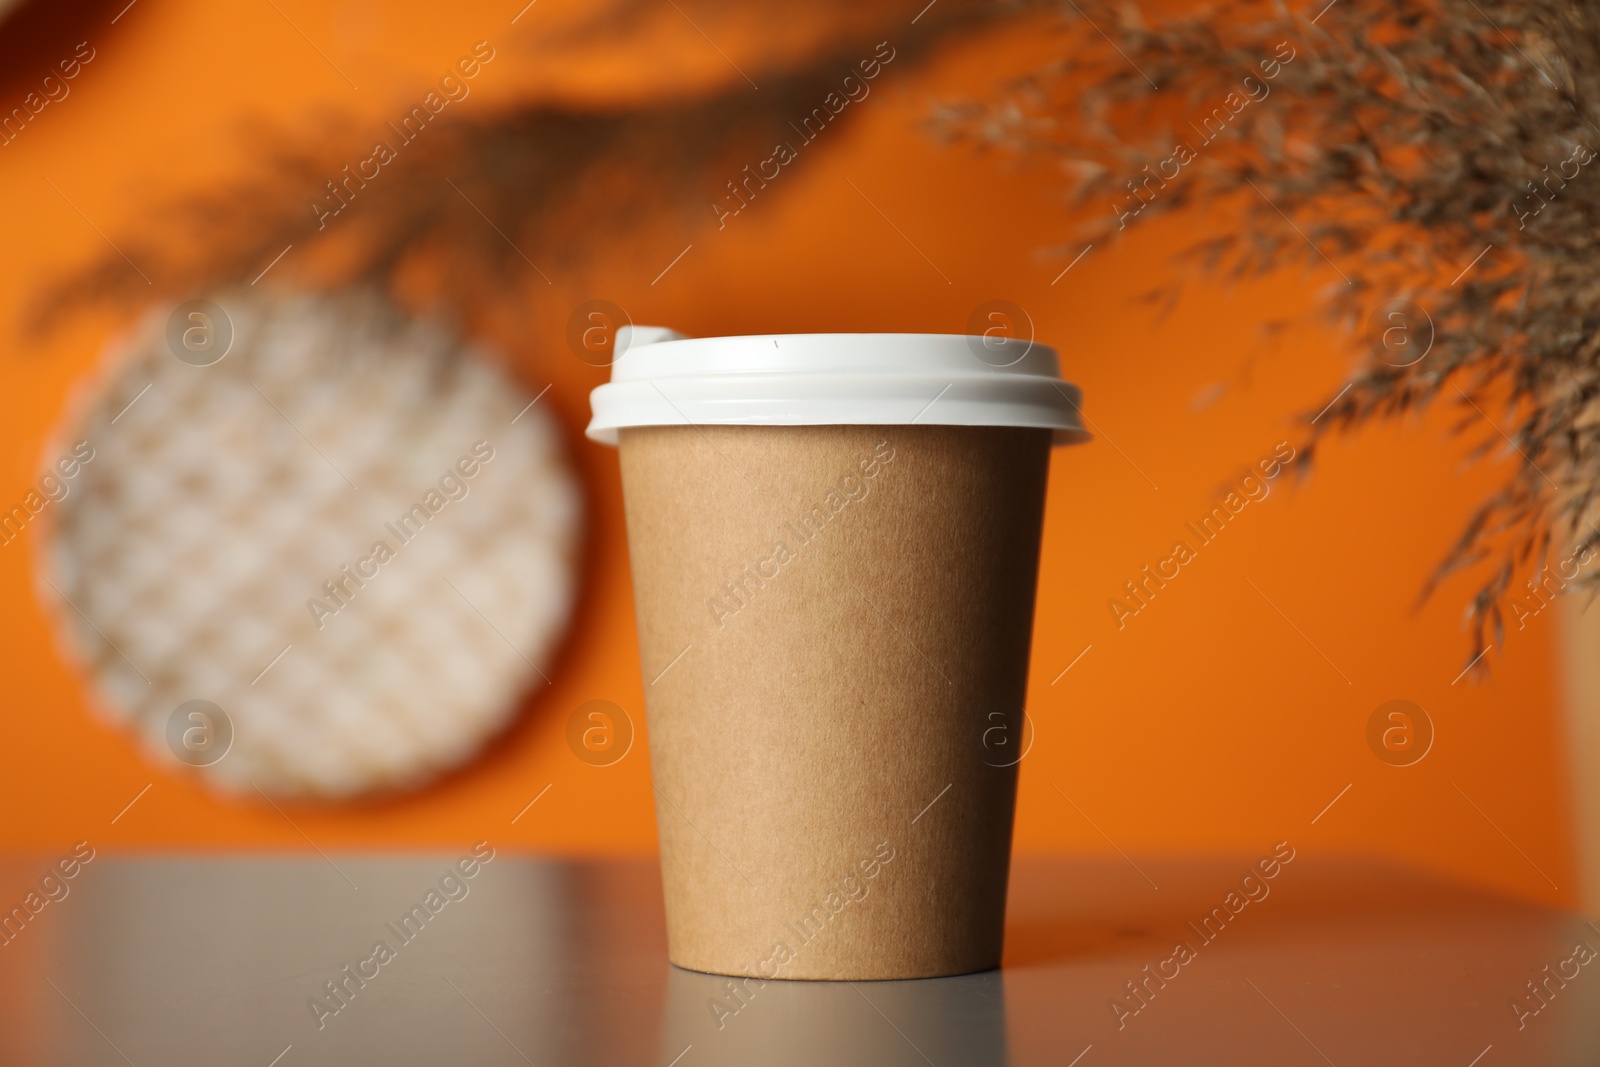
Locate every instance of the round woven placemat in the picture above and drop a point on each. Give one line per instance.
(352, 534)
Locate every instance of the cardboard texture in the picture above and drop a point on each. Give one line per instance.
(834, 624)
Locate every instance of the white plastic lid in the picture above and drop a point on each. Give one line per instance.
(662, 378)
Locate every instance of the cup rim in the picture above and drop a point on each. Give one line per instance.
(661, 377)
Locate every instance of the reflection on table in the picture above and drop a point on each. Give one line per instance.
(240, 960)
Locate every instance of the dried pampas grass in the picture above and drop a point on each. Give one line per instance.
(1434, 159)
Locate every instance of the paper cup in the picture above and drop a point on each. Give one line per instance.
(834, 542)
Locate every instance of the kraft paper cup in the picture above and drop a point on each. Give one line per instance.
(834, 541)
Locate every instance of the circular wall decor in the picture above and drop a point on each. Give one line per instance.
(342, 539)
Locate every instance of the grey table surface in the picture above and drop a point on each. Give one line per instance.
(220, 960)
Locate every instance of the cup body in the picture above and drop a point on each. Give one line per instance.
(834, 627)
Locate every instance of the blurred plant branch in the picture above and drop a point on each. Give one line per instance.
(480, 206)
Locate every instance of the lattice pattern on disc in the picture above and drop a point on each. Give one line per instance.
(220, 502)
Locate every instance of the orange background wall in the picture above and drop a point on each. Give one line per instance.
(1211, 722)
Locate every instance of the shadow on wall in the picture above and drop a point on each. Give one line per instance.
(36, 38)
